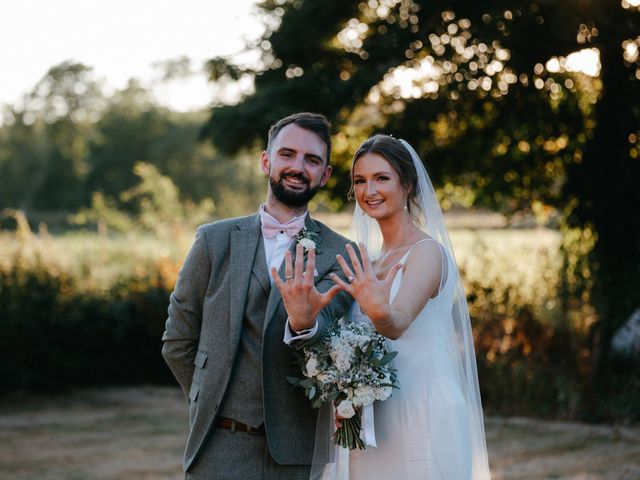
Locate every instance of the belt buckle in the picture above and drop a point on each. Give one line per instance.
(255, 430)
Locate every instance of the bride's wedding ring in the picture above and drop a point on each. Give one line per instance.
(351, 278)
(288, 277)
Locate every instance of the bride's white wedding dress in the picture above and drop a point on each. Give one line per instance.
(423, 430)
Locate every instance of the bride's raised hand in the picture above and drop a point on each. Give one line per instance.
(371, 293)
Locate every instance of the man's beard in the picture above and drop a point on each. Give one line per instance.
(289, 197)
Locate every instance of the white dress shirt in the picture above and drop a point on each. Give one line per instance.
(275, 249)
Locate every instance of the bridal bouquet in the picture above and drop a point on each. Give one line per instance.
(351, 367)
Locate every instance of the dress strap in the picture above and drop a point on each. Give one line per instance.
(444, 273)
(404, 257)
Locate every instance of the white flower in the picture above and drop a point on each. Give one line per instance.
(382, 393)
(312, 366)
(354, 339)
(307, 239)
(364, 395)
(307, 243)
(326, 377)
(345, 409)
(341, 354)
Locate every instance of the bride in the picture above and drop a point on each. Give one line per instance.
(407, 285)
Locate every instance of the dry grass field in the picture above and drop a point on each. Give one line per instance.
(139, 433)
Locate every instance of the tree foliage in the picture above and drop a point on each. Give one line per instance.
(485, 93)
(68, 146)
(152, 205)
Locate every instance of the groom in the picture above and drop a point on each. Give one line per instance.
(228, 337)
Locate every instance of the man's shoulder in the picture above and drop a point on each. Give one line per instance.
(225, 224)
(330, 235)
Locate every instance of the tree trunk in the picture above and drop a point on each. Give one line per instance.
(607, 186)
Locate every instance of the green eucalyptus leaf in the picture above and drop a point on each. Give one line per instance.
(387, 358)
(369, 350)
(306, 383)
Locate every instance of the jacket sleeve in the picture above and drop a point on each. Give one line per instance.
(182, 328)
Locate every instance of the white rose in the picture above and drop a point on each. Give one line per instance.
(345, 409)
(307, 243)
(382, 393)
(312, 367)
(363, 396)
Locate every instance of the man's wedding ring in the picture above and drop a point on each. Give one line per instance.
(288, 277)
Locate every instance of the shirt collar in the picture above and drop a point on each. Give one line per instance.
(263, 212)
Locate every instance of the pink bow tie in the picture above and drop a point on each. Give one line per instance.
(271, 227)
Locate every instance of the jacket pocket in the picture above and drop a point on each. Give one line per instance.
(193, 404)
(201, 359)
(193, 392)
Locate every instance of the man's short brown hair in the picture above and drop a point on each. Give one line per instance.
(314, 122)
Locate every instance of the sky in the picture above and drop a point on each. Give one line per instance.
(121, 39)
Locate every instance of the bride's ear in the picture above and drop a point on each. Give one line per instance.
(408, 190)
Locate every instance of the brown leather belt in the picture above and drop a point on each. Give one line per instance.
(236, 426)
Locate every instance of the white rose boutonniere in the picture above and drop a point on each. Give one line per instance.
(308, 240)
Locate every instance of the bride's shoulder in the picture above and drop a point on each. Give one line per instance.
(425, 246)
(422, 274)
(426, 251)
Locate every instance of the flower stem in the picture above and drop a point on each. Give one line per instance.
(348, 435)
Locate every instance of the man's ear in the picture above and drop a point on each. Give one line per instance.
(264, 162)
(326, 175)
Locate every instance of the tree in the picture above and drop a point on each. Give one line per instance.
(484, 92)
(23, 156)
(127, 131)
(134, 129)
(152, 205)
(47, 139)
(66, 143)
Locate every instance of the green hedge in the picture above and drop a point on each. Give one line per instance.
(533, 359)
(53, 336)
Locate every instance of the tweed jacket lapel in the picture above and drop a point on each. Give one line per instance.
(322, 264)
(260, 269)
(244, 243)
